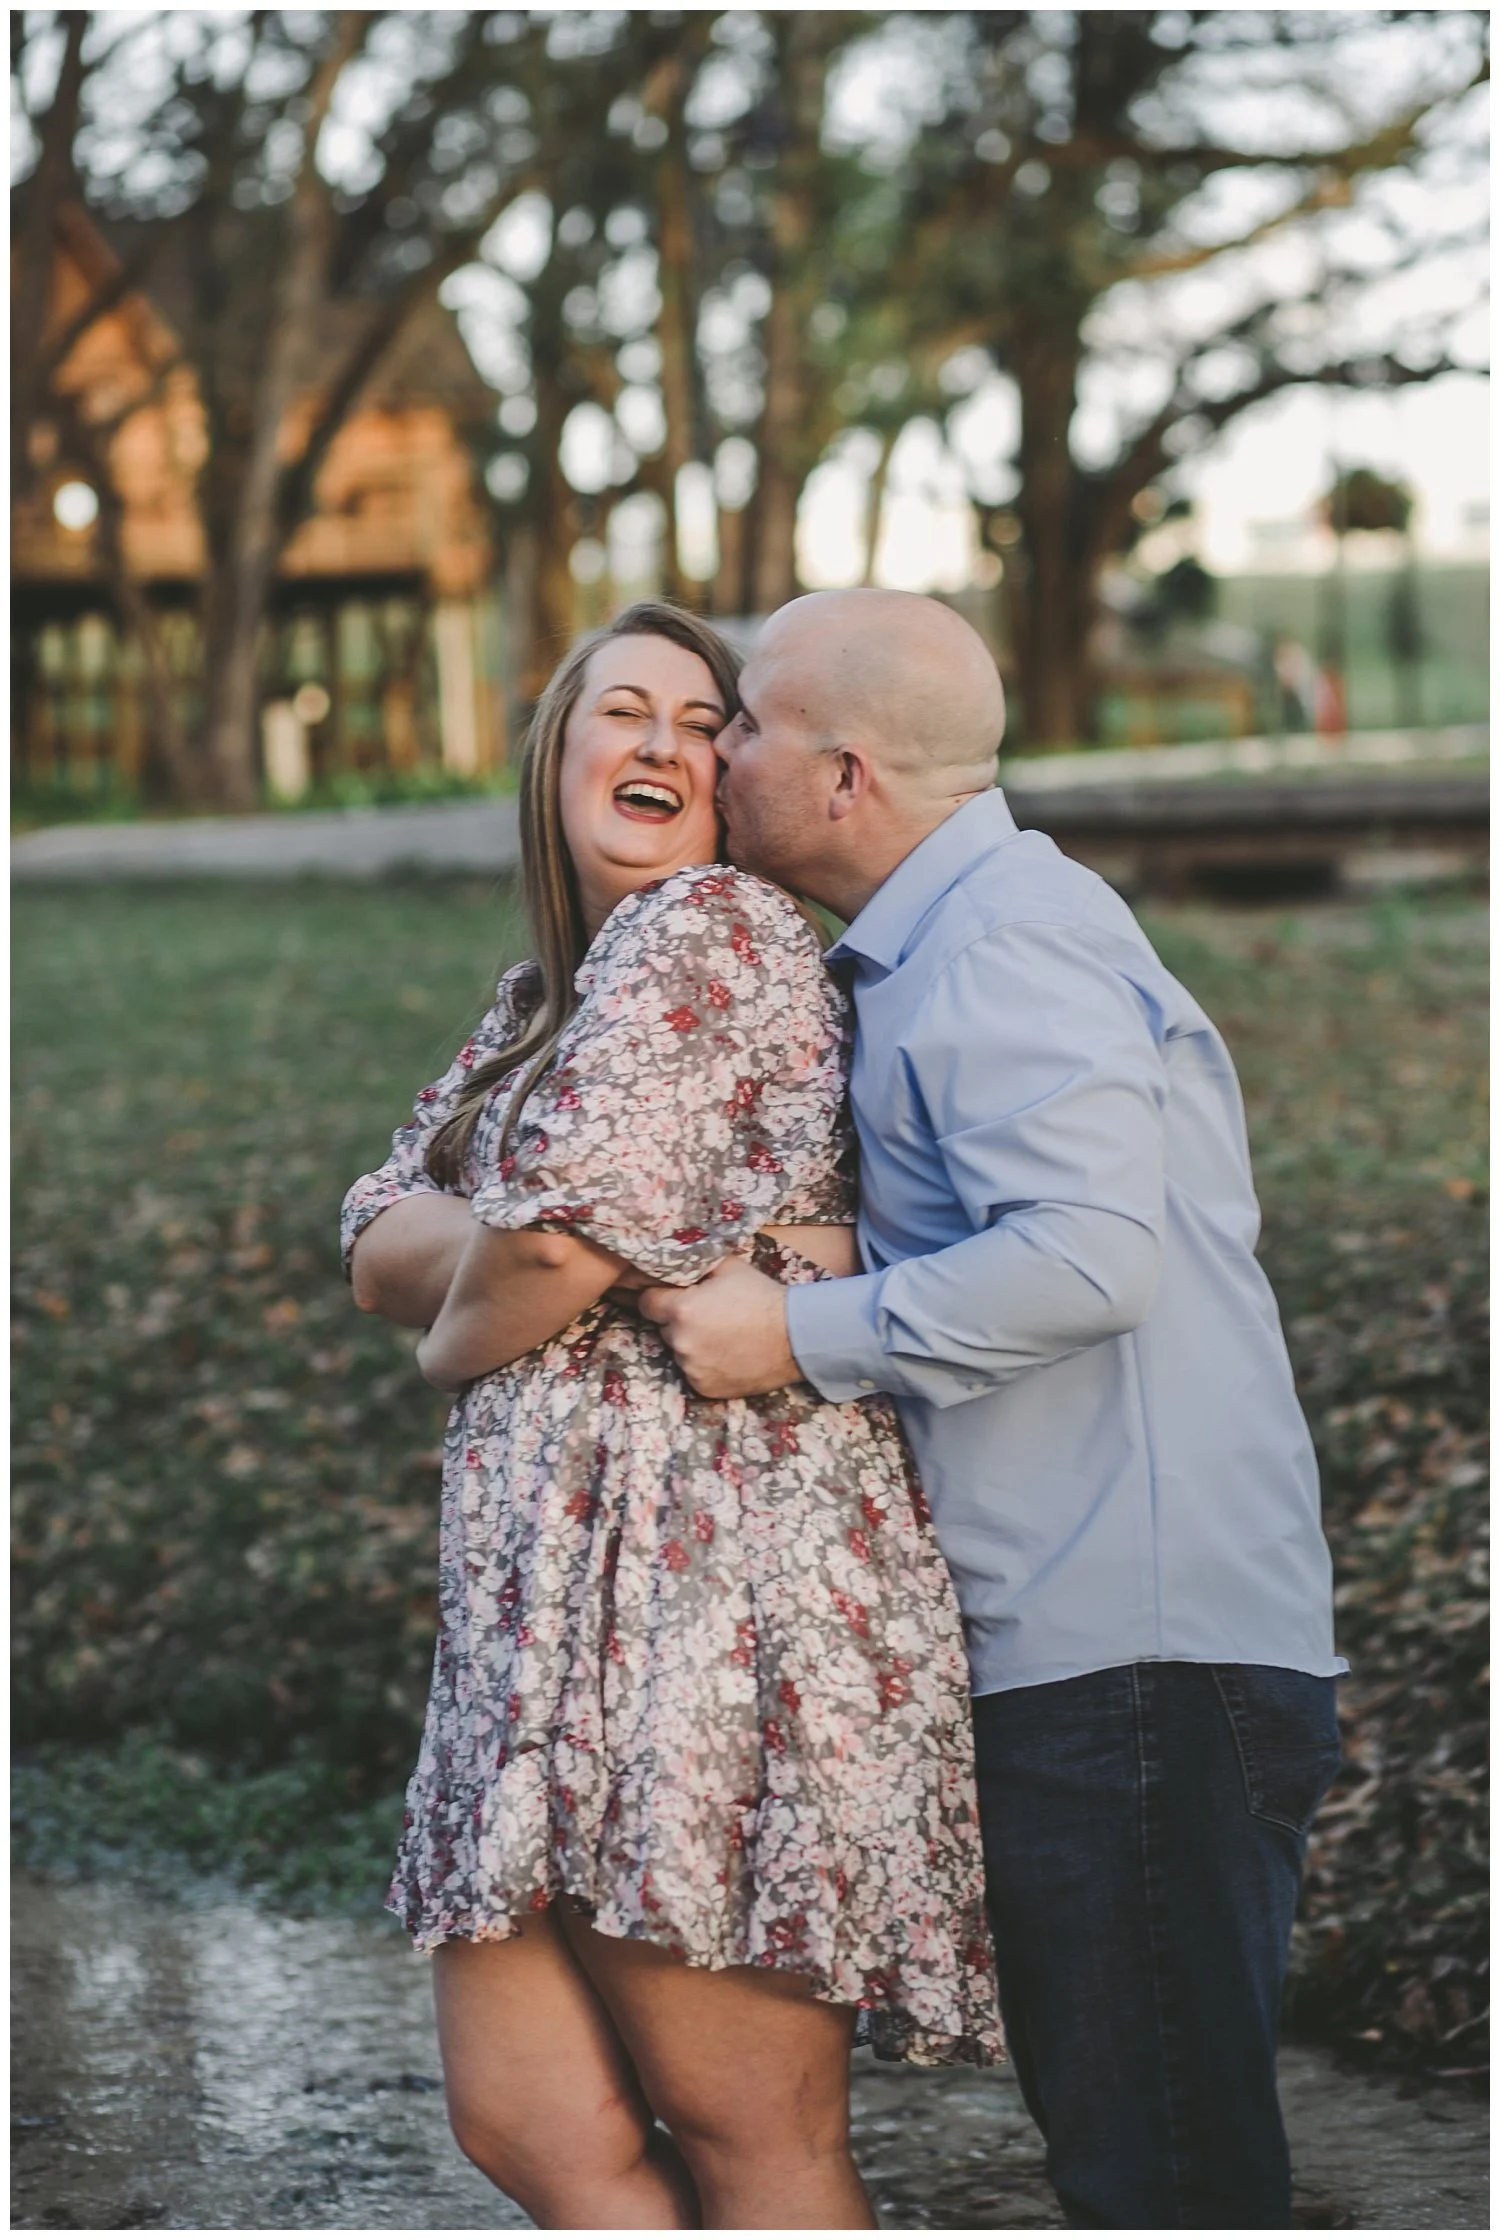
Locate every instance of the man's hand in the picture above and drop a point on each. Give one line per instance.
(728, 1332)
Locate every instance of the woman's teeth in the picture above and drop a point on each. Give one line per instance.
(649, 800)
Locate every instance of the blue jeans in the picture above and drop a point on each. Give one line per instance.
(1144, 1830)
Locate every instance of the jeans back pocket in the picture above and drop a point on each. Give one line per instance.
(1285, 1726)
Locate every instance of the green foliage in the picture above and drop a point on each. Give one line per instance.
(226, 1479)
(92, 796)
(1185, 592)
(63, 802)
(1360, 498)
(385, 788)
(1450, 618)
(298, 1834)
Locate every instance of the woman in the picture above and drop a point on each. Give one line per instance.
(695, 1786)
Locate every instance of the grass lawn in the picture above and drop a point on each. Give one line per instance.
(226, 1479)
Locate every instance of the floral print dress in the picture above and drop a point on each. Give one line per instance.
(700, 1667)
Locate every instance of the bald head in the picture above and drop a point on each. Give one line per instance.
(904, 675)
(866, 718)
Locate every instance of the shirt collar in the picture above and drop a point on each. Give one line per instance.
(894, 911)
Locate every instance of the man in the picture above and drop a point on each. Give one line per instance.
(1058, 1229)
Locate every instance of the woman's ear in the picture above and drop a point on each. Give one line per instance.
(852, 783)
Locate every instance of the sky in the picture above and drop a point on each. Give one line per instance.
(1253, 490)
(1259, 482)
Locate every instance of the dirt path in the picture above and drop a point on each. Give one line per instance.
(476, 837)
(210, 2065)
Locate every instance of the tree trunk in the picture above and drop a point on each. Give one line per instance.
(558, 527)
(1050, 631)
(520, 624)
(875, 504)
(782, 438)
(1333, 631)
(169, 764)
(232, 619)
(36, 247)
(678, 321)
(729, 583)
(1404, 634)
(539, 585)
(1052, 605)
(245, 541)
(231, 609)
(556, 608)
(774, 579)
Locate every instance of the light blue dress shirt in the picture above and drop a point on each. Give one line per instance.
(1058, 1224)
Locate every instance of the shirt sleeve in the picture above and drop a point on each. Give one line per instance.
(404, 1174)
(697, 1088)
(1035, 1065)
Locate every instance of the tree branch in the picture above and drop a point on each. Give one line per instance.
(298, 300)
(120, 283)
(295, 492)
(404, 145)
(1377, 153)
(35, 258)
(1331, 192)
(88, 442)
(1116, 487)
(103, 431)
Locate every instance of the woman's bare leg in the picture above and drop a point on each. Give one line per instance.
(749, 2073)
(542, 2094)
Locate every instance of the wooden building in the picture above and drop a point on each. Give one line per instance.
(384, 646)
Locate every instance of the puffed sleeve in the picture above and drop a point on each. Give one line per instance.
(404, 1173)
(697, 1089)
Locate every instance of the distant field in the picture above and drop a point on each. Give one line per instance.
(1454, 688)
(1453, 605)
(226, 1479)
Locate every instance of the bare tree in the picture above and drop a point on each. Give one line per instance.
(51, 182)
(249, 245)
(1046, 195)
(1071, 185)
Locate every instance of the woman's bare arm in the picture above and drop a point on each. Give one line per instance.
(404, 1261)
(833, 1244)
(512, 1289)
(519, 1287)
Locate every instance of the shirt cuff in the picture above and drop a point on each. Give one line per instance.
(835, 1336)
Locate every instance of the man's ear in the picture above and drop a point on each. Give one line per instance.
(853, 783)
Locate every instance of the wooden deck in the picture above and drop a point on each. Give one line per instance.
(1227, 836)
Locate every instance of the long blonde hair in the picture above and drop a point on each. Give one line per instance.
(548, 881)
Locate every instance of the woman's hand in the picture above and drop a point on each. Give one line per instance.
(627, 1287)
